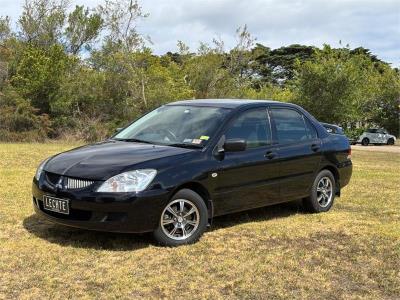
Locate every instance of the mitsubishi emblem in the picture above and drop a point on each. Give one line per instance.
(59, 183)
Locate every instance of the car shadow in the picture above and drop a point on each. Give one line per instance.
(81, 238)
(281, 210)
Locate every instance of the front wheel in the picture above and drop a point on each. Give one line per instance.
(322, 193)
(183, 220)
(390, 141)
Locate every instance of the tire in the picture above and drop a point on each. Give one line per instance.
(390, 141)
(174, 228)
(318, 201)
(365, 141)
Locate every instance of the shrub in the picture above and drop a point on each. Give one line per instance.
(19, 120)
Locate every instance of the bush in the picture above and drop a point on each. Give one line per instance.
(19, 120)
(85, 129)
(354, 133)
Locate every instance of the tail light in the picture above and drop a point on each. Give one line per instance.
(349, 153)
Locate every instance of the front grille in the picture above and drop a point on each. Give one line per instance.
(72, 183)
(52, 178)
(67, 182)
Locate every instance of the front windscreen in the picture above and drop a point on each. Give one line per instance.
(176, 125)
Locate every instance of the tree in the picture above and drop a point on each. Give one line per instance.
(383, 107)
(83, 29)
(5, 29)
(19, 120)
(240, 57)
(120, 18)
(205, 73)
(278, 65)
(38, 74)
(42, 21)
(343, 87)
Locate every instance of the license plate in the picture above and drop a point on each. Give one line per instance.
(55, 204)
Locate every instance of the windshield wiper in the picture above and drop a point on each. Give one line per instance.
(183, 145)
(134, 140)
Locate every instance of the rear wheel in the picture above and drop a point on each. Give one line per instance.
(183, 220)
(322, 193)
(390, 141)
(365, 141)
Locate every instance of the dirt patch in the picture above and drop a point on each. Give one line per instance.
(383, 148)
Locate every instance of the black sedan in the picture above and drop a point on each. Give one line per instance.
(174, 169)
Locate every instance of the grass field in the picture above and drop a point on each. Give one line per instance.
(277, 252)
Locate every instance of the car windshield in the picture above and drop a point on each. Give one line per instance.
(175, 125)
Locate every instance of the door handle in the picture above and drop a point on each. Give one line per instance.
(270, 155)
(315, 147)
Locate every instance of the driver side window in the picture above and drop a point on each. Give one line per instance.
(251, 126)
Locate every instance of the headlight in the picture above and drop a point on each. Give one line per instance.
(40, 169)
(132, 181)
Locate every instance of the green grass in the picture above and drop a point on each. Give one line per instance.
(276, 252)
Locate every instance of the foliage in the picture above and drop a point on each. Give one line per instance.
(342, 87)
(354, 133)
(89, 71)
(120, 17)
(19, 120)
(83, 29)
(39, 73)
(42, 21)
(278, 65)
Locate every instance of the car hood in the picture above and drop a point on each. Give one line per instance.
(102, 160)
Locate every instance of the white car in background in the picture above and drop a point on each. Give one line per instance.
(376, 136)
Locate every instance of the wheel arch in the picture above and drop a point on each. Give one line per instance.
(202, 191)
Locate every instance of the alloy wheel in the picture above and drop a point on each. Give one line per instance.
(324, 191)
(180, 219)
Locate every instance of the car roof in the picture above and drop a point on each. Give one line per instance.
(238, 103)
(224, 103)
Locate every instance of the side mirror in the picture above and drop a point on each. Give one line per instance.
(235, 145)
(118, 129)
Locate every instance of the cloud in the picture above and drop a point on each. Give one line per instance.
(369, 23)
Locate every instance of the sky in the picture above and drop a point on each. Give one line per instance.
(373, 24)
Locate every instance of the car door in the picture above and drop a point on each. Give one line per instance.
(381, 139)
(386, 137)
(247, 179)
(299, 151)
(372, 135)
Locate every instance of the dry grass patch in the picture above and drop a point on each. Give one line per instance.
(276, 252)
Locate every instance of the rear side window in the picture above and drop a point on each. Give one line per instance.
(291, 126)
(312, 133)
(252, 126)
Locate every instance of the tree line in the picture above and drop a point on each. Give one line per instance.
(82, 72)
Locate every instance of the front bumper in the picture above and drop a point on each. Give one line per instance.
(123, 212)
